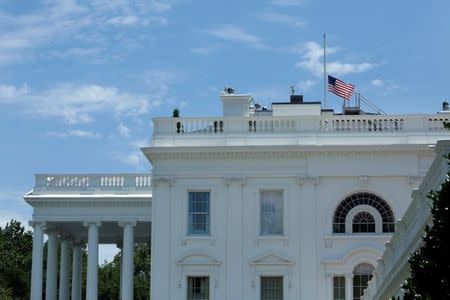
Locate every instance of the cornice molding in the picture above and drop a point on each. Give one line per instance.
(279, 152)
(157, 180)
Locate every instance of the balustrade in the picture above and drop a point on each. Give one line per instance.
(80, 182)
(333, 124)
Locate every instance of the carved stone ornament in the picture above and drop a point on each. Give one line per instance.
(363, 179)
(238, 180)
(156, 180)
(328, 243)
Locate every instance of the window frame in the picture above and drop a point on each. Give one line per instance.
(199, 274)
(278, 275)
(341, 289)
(283, 213)
(188, 224)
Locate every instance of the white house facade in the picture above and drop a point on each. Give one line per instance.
(290, 203)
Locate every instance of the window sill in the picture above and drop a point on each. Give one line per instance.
(358, 236)
(283, 239)
(190, 239)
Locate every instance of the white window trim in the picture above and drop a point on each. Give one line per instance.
(193, 236)
(272, 274)
(360, 208)
(283, 235)
(199, 274)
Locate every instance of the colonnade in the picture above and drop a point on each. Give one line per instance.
(68, 244)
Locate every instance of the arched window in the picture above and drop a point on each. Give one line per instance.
(362, 274)
(363, 199)
(363, 222)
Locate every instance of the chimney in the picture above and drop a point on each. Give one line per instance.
(296, 99)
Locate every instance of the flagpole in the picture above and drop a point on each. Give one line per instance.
(324, 72)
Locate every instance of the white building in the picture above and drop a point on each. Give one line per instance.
(290, 203)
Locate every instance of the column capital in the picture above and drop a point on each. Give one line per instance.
(313, 180)
(300, 180)
(88, 223)
(157, 180)
(123, 223)
(238, 180)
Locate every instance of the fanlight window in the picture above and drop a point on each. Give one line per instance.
(361, 277)
(363, 222)
(363, 199)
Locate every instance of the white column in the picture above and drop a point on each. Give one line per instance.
(128, 260)
(76, 271)
(50, 286)
(64, 271)
(37, 262)
(349, 287)
(121, 269)
(92, 264)
(234, 280)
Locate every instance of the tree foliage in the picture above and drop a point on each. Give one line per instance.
(15, 261)
(430, 265)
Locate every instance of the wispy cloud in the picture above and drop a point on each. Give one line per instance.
(59, 22)
(274, 17)
(204, 50)
(74, 133)
(311, 60)
(76, 103)
(377, 82)
(123, 130)
(236, 34)
(288, 2)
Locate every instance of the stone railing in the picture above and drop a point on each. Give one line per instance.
(92, 182)
(324, 124)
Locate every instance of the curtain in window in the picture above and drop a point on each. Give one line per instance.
(271, 212)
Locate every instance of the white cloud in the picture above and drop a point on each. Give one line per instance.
(74, 133)
(76, 103)
(274, 17)
(203, 50)
(306, 85)
(236, 34)
(60, 22)
(123, 130)
(9, 93)
(312, 60)
(7, 215)
(377, 82)
(288, 2)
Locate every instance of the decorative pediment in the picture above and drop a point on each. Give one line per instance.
(271, 259)
(198, 259)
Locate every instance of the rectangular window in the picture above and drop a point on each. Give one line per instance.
(272, 288)
(198, 288)
(271, 212)
(339, 288)
(199, 213)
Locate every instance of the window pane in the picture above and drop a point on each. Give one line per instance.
(361, 276)
(272, 288)
(199, 213)
(339, 288)
(271, 217)
(198, 288)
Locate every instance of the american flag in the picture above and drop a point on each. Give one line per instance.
(340, 88)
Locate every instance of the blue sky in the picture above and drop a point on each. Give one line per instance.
(81, 80)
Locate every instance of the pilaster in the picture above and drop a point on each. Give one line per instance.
(161, 237)
(234, 254)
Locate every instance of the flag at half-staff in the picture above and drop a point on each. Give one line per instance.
(340, 88)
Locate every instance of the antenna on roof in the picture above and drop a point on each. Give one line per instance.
(292, 86)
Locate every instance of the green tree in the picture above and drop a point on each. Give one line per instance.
(109, 275)
(15, 261)
(430, 265)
